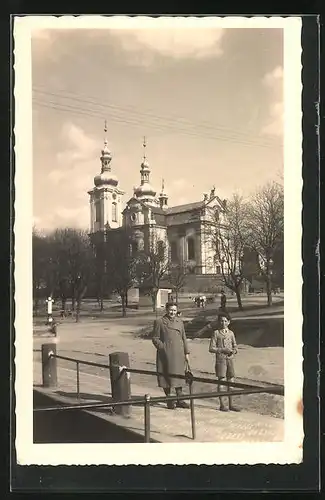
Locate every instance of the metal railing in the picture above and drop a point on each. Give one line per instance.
(147, 400)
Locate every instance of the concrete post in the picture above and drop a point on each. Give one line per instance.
(120, 381)
(49, 369)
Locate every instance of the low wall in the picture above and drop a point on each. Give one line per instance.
(75, 426)
(259, 332)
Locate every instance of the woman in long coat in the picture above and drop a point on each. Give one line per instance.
(172, 353)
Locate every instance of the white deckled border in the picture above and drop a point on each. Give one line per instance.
(289, 451)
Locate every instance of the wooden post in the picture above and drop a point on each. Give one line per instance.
(49, 371)
(120, 381)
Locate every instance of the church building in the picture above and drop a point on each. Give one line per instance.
(182, 229)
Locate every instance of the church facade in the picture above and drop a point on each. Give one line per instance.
(183, 230)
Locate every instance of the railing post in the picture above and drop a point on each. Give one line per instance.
(78, 380)
(120, 381)
(49, 368)
(192, 413)
(147, 419)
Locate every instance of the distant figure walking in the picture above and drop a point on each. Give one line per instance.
(172, 353)
(223, 301)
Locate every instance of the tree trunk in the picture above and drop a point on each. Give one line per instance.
(63, 304)
(269, 290)
(101, 304)
(78, 310)
(36, 306)
(73, 304)
(123, 304)
(79, 301)
(154, 301)
(238, 297)
(176, 297)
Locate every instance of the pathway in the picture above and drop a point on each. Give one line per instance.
(166, 425)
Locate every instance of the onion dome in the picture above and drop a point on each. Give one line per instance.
(145, 189)
(106, 177)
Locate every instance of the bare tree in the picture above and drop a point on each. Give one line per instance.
(152, 266)
(176, 278)
(99, 243)
(40, 268)
(72, 264)
(121, 264)
(266, 229)
(228, 237)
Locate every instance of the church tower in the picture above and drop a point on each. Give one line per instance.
(163, 198)
(145, 192)
(106, 196)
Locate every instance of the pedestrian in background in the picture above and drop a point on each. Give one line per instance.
(223, 301)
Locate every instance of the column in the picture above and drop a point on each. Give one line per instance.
(182, 253)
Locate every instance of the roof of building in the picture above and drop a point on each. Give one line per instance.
(185, 208)
(176, 215)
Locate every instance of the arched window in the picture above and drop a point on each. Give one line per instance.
(173, 252)
(190, 248)
(114, 212)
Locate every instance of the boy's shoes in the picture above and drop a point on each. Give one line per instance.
(171, 405)
(223, 408)
(234, 408)
(182, 404)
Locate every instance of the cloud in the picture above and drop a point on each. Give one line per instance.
(72, 178)
(179, 184)
(36, 221)
(55, 176)
(77, 157)
(74, 217)
(145, 44)
(275, 124)
(78, 141)
(273, 81)
(270, 79)
(77, 217)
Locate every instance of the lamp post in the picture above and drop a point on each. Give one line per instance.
(49, 302)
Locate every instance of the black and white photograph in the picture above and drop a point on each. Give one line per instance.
(158, 240)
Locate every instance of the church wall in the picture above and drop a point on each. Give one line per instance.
(180, 235)
(106, 206)
(157, 234)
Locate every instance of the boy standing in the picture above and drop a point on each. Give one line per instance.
(223, 345)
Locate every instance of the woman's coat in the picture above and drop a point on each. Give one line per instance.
(170, 341)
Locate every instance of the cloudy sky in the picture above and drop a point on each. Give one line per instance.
(209, 102)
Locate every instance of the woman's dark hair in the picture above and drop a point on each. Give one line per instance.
(224, 315)
(169, 304)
